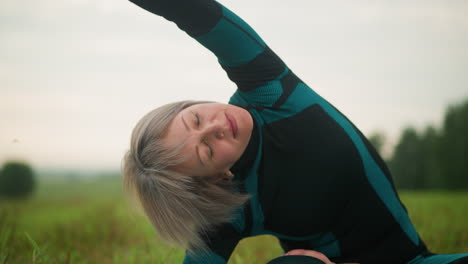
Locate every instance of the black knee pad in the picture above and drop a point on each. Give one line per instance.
(296, 259)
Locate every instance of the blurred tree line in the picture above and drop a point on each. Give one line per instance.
(433, 158)
(17, 180)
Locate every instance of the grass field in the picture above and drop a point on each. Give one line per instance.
(90, 222)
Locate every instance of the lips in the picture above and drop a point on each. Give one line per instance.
(232, 124)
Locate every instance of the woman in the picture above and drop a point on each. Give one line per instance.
(278, 159)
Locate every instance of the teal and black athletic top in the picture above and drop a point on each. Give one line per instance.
(316, 182)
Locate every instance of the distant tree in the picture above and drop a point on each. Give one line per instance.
(454, 147)
(407, 165)
(377, 139)
(434, 159)
(16, 180)
(430, 158)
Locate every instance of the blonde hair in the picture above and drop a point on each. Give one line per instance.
(182, 208)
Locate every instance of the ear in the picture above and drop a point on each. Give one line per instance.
(228, 175)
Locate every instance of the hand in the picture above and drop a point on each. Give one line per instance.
(311, 253)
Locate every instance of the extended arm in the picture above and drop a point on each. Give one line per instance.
(240, 51)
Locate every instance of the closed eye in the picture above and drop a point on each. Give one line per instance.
(197, 119)
(210, 150)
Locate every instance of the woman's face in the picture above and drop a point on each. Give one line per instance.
(215, 137)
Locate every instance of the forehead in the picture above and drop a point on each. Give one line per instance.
(177, 132)
(177, 135)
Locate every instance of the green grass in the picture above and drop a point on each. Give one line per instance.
(90, 222)
(441, 218)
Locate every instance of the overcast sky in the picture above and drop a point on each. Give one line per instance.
(76, 75)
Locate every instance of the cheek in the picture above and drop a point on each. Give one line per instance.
(226, 152)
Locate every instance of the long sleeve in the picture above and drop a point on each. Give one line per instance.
(241, 52)
(221, 243)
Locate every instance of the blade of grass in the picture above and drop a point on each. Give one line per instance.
(36, 248)
(5, 261)
(67, 260)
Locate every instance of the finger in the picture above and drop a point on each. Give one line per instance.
(310, 253)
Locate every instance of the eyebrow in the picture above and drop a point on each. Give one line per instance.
(185, 124)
